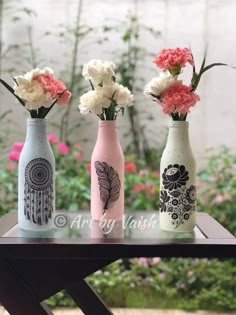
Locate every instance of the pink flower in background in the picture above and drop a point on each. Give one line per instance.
(52, 138)
(18, 146)
(13, 156)
(147, 187)
(150, 190)
(143, 261)
(62, 148)
(130, 167)
(10, 166)
(171, 57)
(79, 156)
(139, 187)
(178, 97)
(54, 87)
(219, 198)
(156, 260)
(88, 165)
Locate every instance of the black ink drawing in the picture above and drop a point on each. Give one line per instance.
(175, 198)
(174, 176)
(38, 191)
(109, 183)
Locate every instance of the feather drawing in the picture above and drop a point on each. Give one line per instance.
(109, 183)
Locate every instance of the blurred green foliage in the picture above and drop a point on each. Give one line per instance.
(189, 284)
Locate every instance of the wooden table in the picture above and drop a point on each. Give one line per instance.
(35, 266)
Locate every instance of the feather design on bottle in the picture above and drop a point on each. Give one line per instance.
(109, 183)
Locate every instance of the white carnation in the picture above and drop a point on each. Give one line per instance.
(33, 73)
(158, 84)
(100, 71)
(120, 94)
(124, 97)
(32, 93)
(93, 101)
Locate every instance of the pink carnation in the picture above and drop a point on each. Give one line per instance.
(54, 87)
(170, 58)
(52, 138)
(64, 98)
(18, 146)
(130, 167)
(178, 97)
(13, 155)
(62, 148)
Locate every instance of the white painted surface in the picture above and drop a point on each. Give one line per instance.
(181, 23)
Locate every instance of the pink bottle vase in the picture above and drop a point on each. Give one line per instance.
(107, 174)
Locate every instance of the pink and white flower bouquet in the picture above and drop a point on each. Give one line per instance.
(107, 97)
(38, 91)
(175, 97)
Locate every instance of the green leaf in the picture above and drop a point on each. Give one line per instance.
(203, 63)
(214, 65)
(11, 90)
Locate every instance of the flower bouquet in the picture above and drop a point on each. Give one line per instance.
(175, 97)
(106, 99)
(178, 167)
(38, 91)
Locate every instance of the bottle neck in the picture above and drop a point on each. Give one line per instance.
(178, 133)
(36, 129)
(107, 131)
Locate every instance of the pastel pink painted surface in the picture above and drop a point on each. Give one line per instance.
(107, 149)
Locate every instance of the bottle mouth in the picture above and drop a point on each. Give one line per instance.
(178, 124)
(107, 123)
(37, 121)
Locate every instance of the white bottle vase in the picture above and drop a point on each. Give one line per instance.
(36, 179)
(107, 174)
(177, 181)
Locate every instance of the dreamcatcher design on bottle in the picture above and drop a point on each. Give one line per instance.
(38, 191)
(176, 198)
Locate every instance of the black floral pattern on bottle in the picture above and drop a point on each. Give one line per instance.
(175, 202)
(177, 198)
(174, 216)
(191, 194)
(164, 198)
(186, 216)
(174, 176)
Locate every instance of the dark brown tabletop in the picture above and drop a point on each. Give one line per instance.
(34, 266)
(80, 237)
